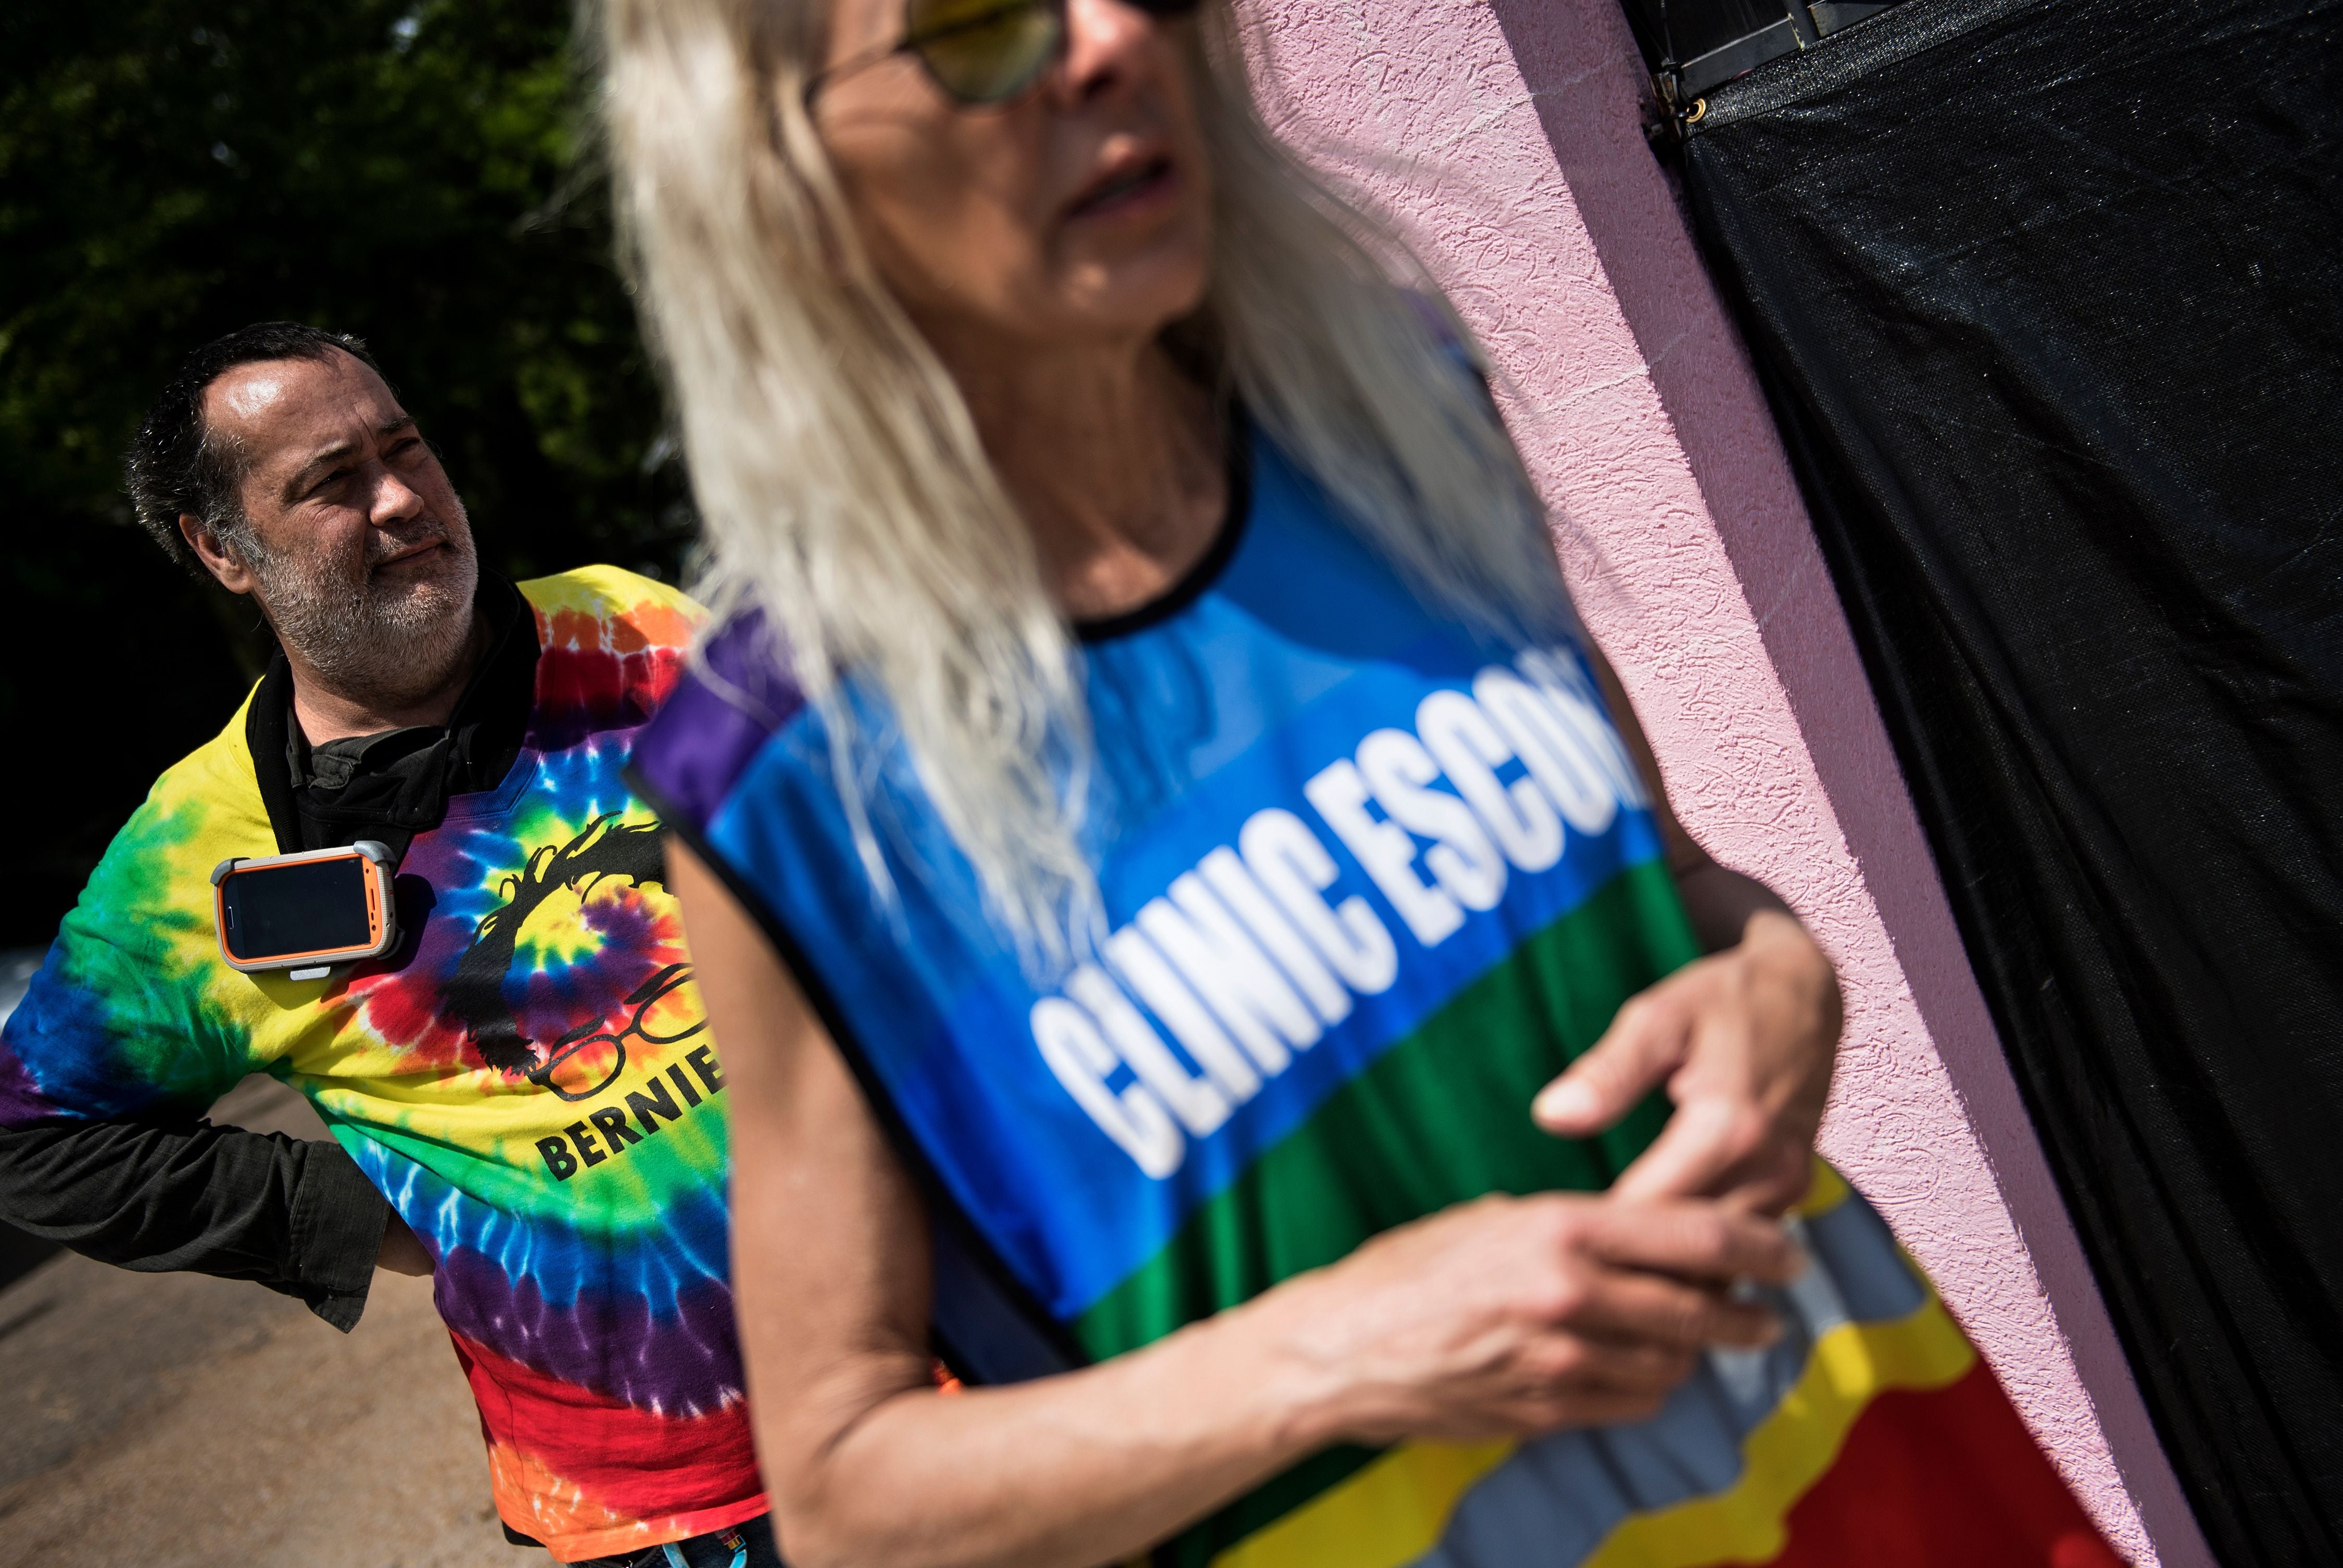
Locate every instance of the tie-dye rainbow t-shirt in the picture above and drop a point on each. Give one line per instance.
(554, 1135)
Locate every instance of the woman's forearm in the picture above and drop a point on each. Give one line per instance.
(1721, 902)
(1067, 1472)
(1502, 1317)
(868, 1464)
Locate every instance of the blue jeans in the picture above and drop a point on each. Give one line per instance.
(745, 1546)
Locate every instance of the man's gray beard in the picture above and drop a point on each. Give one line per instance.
(380, 648)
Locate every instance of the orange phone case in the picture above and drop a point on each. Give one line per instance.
(382, 921)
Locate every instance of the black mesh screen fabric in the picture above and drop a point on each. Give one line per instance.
(2049, 302)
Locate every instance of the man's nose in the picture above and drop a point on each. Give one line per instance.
(395, 500)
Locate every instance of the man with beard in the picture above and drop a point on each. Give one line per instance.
(523, 1099)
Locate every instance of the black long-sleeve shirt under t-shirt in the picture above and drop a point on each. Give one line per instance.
(168, 1190)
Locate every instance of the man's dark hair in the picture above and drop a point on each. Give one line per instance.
(174, 465)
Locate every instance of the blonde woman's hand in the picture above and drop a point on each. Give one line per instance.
(1743, 1041)
(1509, 1316)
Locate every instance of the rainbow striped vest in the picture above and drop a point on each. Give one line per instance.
(1371, 885)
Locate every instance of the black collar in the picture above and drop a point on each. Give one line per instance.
(1207, 569)
(477, 747)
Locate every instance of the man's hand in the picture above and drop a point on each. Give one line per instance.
(401, 1252)
(1743, 1041)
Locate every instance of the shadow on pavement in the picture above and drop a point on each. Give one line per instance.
(19, 1255)
(175, 1421)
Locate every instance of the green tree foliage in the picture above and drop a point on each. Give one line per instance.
(418, 174)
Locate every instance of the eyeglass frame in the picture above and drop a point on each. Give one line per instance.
(910, 43)
(643, 999)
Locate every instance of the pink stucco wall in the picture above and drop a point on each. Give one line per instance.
(1503, 135)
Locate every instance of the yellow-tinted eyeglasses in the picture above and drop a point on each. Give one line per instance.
(981, 52)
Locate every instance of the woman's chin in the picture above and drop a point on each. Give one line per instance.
(1135, 296)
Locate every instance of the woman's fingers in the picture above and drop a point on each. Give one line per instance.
(1567, 1364)
(1656, 1274)
(1742, 1041)
(1637, 1366)
(1671, 1317)
(1696, 1152)
(1519, 1314)
(1691, 1240)
(1645, 1043)
(1590, 1381)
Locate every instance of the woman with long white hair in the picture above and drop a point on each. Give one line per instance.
(1195, 932)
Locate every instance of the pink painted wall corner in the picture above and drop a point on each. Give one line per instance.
(1506, 140)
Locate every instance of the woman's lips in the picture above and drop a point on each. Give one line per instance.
(1138, 183)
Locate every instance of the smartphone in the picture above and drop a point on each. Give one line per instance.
(305, 912)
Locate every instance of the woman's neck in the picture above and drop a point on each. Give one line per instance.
(1115, 458)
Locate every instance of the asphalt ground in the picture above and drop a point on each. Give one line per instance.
(172, 1420)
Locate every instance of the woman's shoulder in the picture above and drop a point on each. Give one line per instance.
(735, 696)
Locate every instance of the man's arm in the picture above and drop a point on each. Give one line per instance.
(170, 1194)
(129, 1027)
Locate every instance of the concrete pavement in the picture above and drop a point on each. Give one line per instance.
(171, 1420)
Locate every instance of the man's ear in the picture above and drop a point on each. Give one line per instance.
(218, 559)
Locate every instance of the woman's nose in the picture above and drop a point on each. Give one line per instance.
(1103, 42)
